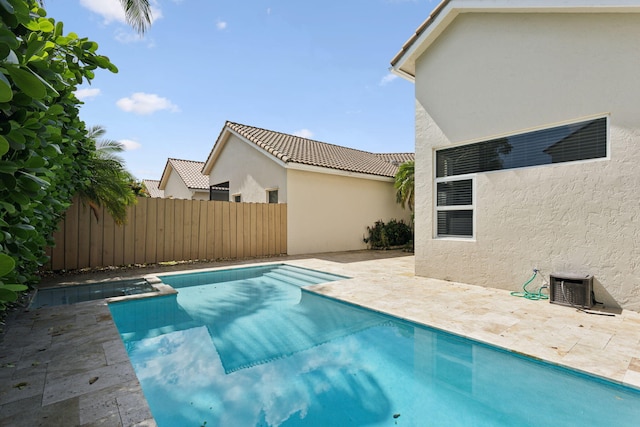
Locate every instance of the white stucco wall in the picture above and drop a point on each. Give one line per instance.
(496, 74)
(200, 194)
(327, 213)
(176, 188)
(249, 172)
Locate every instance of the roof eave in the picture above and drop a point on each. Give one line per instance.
(403, 64)
(164, 179)
(341, 172)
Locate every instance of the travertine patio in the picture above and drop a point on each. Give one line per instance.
(67, 366)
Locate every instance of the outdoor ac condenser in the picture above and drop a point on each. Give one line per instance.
(571, 289)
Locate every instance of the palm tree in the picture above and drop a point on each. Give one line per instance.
(109, 182)
(138, 14)
(405, 184)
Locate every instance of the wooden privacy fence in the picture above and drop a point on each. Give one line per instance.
(161, 230)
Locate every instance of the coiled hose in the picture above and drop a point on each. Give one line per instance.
(538, 295)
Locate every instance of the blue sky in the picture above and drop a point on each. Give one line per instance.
(310, 68)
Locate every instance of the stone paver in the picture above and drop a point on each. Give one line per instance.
(66, 365)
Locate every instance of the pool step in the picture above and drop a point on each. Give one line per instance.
(316, 276)
(289, 278)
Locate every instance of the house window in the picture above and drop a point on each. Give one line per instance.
(455, 193)
(567, 143)
(455, 207)
(272, 196)
(237, 198)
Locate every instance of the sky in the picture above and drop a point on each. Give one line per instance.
(317, 69)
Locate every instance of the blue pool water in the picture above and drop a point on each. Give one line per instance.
(48, 297)
(255, 351)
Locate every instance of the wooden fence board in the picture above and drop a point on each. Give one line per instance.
(159, 230)
(195, 230)
(218, 229)
(239, 228)
(210, 235)
(84, 227)
(129, 229)
(169, 230)
(96, 241)
(71, 238)
(151, 234)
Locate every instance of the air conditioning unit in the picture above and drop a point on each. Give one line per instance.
(569, 289)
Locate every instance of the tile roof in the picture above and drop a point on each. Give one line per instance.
(396, 158)
(152, 188)
(295, 149)
(190, 172)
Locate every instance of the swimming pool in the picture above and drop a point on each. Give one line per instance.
(48, 297)
(254, 352)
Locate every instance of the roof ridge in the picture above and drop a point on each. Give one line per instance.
(301, 137)
(185, 160)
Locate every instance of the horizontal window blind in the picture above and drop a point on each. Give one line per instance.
(455, 223)
(455, 193)
(567, 143)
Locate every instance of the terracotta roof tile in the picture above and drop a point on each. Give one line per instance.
(295, 149)
(152, 188)
(190, 172)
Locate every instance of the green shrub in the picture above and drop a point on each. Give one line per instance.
(392, 234)
(44, 150)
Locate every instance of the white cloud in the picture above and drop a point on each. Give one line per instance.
(146, 103)
(130, 144)
(112, 10)
(388, 79)
(221, 25)
(87, 93)
(304, 133)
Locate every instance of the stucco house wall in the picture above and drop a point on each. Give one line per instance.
(498, 74)
(175, 188)
(331, 212)
(249, 172)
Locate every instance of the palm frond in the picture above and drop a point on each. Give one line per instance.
(138, 14)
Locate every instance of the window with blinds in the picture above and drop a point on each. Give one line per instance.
(455, 166)
(567, 143)
(454, 208)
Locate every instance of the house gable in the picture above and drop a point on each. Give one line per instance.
(182, 179)
(404, 63)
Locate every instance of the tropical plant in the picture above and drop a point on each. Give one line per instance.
(393, 233)
(109, 183)
(44, 151)
(405, 185)
(138, 14)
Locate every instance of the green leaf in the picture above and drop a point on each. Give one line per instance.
(15, 287)
(27, 81)
(7, 264)
(7, 295)
(4, 50)
(35, 182)
(35, 161)
(6, 93)
(33, 49)
(45, 25)
(58, 31)
(7, 166)
(4, 146)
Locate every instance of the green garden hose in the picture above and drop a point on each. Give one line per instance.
(531, 295)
